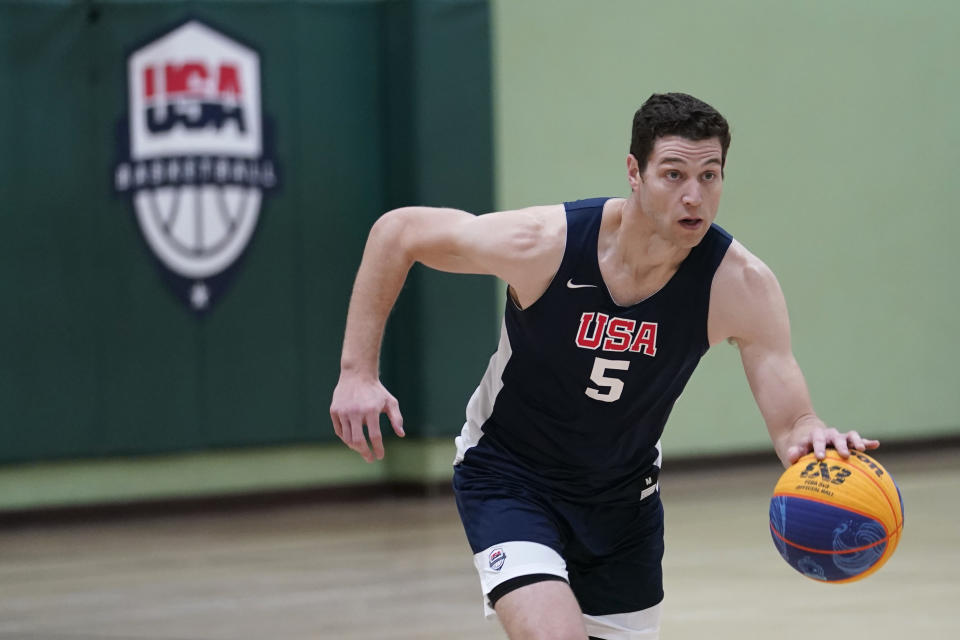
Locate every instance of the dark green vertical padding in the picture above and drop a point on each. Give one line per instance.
(92, 360)
(272, 347)
(442, 332)
(400, 363)
(342, 193)
(46, 364)
(454, 121)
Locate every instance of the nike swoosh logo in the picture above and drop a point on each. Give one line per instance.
(578, 286)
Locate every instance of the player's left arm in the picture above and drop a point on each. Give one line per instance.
(747, 306)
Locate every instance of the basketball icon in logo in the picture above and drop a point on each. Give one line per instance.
(193, 157)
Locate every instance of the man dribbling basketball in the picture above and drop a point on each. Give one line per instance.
(611, 304)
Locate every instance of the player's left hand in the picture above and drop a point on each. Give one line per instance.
(816, 436)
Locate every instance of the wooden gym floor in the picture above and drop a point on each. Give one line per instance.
(401, 569)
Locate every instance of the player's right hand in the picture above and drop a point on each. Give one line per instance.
(359, 401)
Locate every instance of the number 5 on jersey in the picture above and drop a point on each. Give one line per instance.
(610, 388)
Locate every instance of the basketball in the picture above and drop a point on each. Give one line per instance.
(836, 520)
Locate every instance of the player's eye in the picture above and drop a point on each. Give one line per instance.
(709, 176)
(673, 175)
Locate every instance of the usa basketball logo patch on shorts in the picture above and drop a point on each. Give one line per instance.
(497, 558)
(193, 155)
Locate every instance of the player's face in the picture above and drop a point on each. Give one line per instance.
(679, 191)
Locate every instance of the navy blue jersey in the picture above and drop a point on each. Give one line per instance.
(577, 395)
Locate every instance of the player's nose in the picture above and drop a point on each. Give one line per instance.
(692, 196)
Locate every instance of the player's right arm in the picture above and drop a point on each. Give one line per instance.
(748, 307)
(523, 247)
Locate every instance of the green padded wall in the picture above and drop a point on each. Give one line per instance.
(98, 357)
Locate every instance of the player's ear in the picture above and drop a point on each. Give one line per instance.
(633, 172)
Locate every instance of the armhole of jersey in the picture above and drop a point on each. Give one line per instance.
(726, 239)
(564, 264)
(572, 249)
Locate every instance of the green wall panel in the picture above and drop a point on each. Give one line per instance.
(844, 128)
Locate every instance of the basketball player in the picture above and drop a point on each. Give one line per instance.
(611, 304)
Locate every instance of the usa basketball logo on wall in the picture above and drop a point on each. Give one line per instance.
(193, 156)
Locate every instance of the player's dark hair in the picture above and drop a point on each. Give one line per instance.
(676, 114)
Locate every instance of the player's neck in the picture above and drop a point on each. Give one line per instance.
(632, 241)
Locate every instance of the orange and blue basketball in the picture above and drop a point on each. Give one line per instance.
(836, 520)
